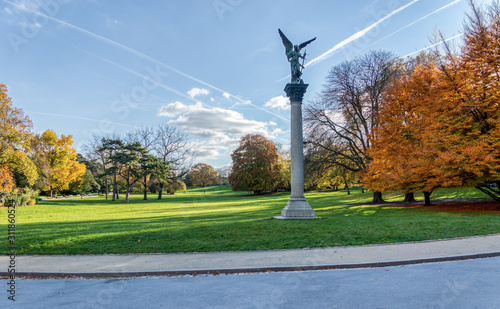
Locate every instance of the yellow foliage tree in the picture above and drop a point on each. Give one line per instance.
(21, 164)
(6, 179)
(57, 161)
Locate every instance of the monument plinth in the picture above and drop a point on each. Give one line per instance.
(297, 206)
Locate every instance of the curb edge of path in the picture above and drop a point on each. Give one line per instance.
(217, 271)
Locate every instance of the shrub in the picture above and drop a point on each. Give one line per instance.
(19, 197)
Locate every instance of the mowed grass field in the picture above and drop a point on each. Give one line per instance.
(222, 220)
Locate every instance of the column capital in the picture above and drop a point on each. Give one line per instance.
(295, 91)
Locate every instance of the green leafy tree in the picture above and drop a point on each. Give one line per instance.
(128, 158)
(172, 186)
(106, 151)
(151, 166)
(98, 161)
(84, 185)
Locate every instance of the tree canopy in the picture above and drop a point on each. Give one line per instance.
(339, 123)
(440, 125)
(256, 165)
(203, 174)
(56, 161)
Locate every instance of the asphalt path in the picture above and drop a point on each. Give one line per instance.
(455, 284)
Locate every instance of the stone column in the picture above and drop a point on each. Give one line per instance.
(297, 206)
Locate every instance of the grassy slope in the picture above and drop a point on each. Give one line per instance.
(224, 220)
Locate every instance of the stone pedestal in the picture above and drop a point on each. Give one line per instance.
(297, 206)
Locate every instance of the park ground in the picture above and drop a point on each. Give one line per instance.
(219, 219)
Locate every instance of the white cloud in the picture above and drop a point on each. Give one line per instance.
(279, 102)
(197, 91)
(206, 153)
(176, 108)
(218, 130)
(277, 131)
(226, 95)
(224, 126)
(203, 150)
(211, 122)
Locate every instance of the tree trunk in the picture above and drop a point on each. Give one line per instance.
(145, 189)
(377, 197)
(427, 198)
(362, 190)
(106, 185)
(409, 197)
(115, 190)
(347, 188)
(160, 191)
(128, 188)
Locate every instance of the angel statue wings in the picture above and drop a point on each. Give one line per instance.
(293, 55)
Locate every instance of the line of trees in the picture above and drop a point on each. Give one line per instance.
(413, 125)
(154, 159)
(440, 122)
(339, 123)
(31, 163)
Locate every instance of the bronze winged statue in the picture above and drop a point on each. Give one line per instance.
(293, 55)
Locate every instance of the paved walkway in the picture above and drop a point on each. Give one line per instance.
(115, 265)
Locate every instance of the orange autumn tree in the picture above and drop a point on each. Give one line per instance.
(441, 128)
(471, 88)
(256, 165)
(403, 156)
(15, 140)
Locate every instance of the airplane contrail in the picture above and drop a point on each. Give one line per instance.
(81, 118)
(142, 55)
(139, 75)
(416, 21)
(433, 45)
(357, 35)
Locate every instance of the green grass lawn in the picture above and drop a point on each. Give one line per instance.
(221, 220)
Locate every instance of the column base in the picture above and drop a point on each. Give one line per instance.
(297, 208)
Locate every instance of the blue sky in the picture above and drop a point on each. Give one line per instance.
(215, 68)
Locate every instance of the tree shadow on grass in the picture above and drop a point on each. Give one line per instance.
(233, 227)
